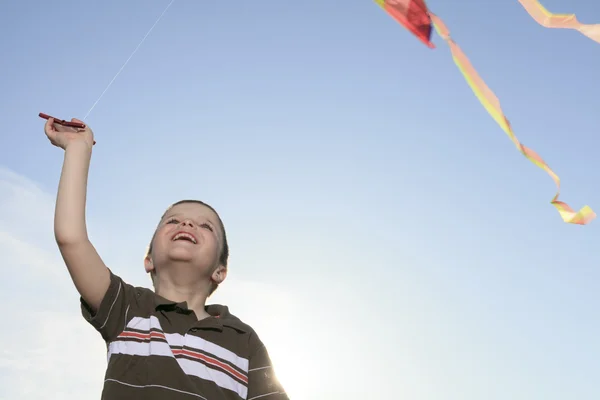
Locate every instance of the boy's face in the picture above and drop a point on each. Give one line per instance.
(189, 233)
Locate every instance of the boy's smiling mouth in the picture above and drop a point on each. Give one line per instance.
(185, 236)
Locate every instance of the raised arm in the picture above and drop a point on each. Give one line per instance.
(89, 274)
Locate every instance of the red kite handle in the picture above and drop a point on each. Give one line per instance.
(64, 123)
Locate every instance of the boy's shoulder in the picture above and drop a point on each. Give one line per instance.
(228, 319)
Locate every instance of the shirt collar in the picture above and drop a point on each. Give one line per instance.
(220, 313)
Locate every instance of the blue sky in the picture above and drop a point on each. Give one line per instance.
(396, 239)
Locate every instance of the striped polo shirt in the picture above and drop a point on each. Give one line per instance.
(157, 349)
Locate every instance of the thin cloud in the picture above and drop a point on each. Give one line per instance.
(49, 350)
(26, 238)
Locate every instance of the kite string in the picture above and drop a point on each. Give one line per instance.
(128, 59)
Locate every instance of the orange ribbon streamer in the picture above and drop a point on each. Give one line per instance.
(491, 103)
(559, 21)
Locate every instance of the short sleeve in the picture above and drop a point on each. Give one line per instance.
(262, 380)
(112, 315)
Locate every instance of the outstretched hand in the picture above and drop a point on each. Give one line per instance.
(62, 136)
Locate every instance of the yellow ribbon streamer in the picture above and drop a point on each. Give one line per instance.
(491, 103)
(559, 21)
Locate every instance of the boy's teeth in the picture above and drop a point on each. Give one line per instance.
(186, 236)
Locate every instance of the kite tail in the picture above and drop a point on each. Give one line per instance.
(491, 103)
(559, 21)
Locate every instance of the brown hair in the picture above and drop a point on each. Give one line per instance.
(223, 257)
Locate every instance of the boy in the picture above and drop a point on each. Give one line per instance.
(162, 344)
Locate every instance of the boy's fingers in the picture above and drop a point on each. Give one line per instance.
(85, 127)
(49, 127)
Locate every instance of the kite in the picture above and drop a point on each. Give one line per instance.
(413, 15)
(559, 21)
(416, 17)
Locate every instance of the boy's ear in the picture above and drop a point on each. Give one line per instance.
(219, 274)
(148, 264)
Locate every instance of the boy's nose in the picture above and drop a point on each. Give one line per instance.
(187, 223)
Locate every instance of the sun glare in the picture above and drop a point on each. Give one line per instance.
(281, 331)
(292, 367)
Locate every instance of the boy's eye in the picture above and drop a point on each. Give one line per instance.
(207, 226)
(172, 221)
